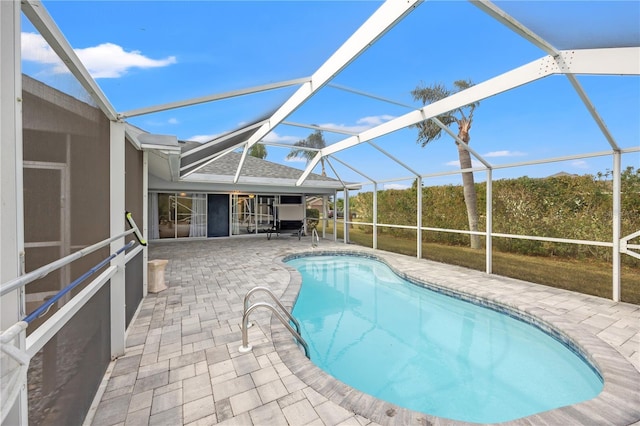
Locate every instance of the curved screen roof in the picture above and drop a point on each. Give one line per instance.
(554, 79)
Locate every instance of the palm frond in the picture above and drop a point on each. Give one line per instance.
(428, 131)
(430, 94)
(314, 140)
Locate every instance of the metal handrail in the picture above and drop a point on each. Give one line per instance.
(43, 271)
(314, 233)
(274, 298)
(245, 338)
(285, 321)
(44, 308)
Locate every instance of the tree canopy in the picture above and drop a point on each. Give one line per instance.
(258, 150)
(431, 129)
(316, 142)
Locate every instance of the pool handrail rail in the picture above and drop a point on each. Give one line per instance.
(268, 291)
(245, 318)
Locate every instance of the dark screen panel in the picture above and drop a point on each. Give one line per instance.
(133, 286)
(290, 199)
(65, 374)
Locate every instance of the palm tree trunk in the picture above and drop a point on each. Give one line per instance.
(468, 186)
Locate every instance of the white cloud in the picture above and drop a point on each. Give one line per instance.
(504, 153)
(276, 138)
(580, 164)
(361, 125)
(375, 120)
(173, 121)
(203, 138)
(396, 186)
(35, 49)
(106, 60)
(295, 160)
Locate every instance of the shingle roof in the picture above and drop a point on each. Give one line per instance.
(227, 165)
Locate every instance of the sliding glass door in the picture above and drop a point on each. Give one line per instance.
(180, 215)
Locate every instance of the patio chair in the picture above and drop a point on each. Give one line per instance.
(290, 217)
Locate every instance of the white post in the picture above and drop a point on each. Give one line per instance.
(335, 214)
(324, 216)
(617, 190)
(489, 225)
(117, 220)
(145, 221)
(419, 217)
(11, 213)
(345, 216)
(375, 215)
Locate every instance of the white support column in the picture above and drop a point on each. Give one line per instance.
(419, 217)
(117, 220)
(375, 216)
(489, 224)
(335, 214)
(11, 213)
(324, 216)
(617, 186)
(145, 221)
(345, 215)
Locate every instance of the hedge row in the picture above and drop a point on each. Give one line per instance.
(573, 207)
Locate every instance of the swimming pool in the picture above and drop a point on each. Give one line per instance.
(429, 352)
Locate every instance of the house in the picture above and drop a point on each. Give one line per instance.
(208, 203)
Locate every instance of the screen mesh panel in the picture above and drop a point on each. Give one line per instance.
(66, 187)
(64, 375)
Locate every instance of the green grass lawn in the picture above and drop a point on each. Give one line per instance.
(585, 276)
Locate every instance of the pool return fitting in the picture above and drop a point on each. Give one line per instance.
(246, 347)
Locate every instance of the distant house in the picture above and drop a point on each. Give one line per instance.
(315, 203)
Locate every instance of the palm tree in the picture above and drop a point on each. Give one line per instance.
(314, 140)
(258, 150)
(429, 131)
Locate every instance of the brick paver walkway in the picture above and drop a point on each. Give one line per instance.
(182, 364)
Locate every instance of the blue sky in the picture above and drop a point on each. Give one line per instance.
(153, 52)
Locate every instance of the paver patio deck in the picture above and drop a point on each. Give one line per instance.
(182, 364)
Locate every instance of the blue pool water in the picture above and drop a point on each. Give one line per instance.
(429, 352)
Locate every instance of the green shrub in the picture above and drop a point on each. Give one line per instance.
(572, 207)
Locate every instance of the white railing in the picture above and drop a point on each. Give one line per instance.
(14, 378)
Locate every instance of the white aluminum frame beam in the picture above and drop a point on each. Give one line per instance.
(590, 67)
(509, 80)
(42, 21)
(211, 98)
(461, 142)
(344, 185)
(218, 140)
(352, 168)
(393, 158)
(316, 127)
(510, 22)
(369, 95)
(381, 21)
(622, 62)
